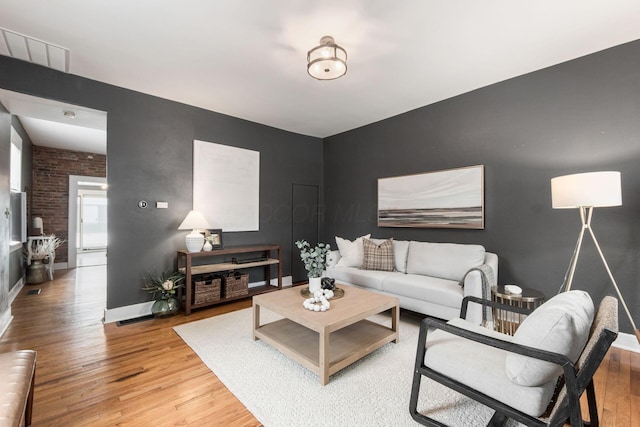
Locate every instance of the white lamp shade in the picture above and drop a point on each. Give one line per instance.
(193, 221)
(592, 189)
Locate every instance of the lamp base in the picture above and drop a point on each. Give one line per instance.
(194, 241)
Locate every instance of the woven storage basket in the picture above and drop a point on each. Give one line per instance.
(235, 285)
(207, 290)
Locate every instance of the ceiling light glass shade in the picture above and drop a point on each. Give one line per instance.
(327, 61)
(592, 189)
(194, 221)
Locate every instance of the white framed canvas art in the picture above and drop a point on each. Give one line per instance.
(451, 198)
(226, 186)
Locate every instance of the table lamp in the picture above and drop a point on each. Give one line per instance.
(193, 222)
(586, 191)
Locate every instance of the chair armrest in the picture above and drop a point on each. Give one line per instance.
(493, 304)
(548, 356)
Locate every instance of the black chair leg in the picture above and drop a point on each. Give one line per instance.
(417, 380)
(413, 404)
(415, 390)
(498, 420)
(593, 408)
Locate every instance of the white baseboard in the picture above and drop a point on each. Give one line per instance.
(627, 342)
(5, 320)
(287, 282)
(127, 312)
(13, 293)
(144, 309)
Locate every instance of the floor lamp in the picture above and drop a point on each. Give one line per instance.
(586, 191)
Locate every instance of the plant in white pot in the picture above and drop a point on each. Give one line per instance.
(315, 261)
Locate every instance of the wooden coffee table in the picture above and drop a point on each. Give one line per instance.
(326, 342)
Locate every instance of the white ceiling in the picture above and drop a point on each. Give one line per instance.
(45, 122)
(247, 58)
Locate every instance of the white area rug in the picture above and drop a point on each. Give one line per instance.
(374, 391)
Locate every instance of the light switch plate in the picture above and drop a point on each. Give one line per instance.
(162, 205)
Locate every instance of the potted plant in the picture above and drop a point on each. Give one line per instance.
(40, 252)
(163, 287)
(315, 261)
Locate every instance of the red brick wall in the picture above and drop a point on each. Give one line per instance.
(50, 193)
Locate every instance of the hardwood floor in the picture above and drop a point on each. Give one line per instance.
(91, 374)
(142, 374)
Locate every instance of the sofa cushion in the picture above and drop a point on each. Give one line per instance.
(400, 252)
(351, 253)
(441, 291)
(18, 369)
(378, 256)
(560, 325)
(366, 278)
(445, 260)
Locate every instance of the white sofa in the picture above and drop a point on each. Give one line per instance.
(427, 276)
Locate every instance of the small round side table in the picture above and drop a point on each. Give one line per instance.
(505, 321)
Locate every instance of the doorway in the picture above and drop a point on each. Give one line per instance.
(87, 221)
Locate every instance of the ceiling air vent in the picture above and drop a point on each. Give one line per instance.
(33, 50)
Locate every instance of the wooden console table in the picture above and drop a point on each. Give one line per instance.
(223, 264)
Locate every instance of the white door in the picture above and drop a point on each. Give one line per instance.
(92, 217)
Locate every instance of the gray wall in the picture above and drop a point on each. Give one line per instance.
(579, 116)
(575, 117)
(149, 157)
(5, 231)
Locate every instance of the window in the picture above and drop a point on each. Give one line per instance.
(18, 199)
(16, 161)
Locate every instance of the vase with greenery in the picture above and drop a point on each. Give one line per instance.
(40, 253)
(314, 260)
(163, 286)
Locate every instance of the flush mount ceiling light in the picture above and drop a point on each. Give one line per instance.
(327, 61)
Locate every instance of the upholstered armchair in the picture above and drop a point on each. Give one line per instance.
(536, 376)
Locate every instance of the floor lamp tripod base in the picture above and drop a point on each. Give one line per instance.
(585, 215)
